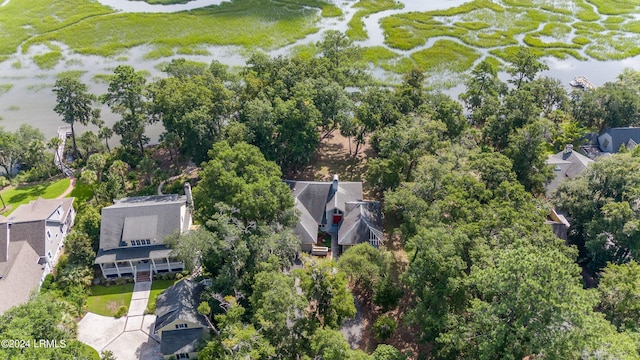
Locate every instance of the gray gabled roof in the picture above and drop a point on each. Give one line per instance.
(147, 217)
(314, 198)
(622, 135)
(365, 217)
(180, 302)
(180, 341)
(132, 253)
(20, 275)
(566, 165)
(39, 210)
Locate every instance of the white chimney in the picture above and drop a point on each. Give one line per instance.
(187, 192)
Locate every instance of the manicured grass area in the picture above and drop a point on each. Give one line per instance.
(157, 287)
(23, 194)
(106, 300)
(247, 23)
(82, 192)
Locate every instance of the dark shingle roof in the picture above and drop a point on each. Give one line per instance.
(313, 198)
(20, 275)
(132, 253)
(365, 217)
(621, 135)
(566, 165)
(39, 209)
(180, 341)
(180, 302)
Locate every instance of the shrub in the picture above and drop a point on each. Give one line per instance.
(47, 284)
(386, 294)
(179, 276)
(121, 281)
(384, 327)
(122, 311)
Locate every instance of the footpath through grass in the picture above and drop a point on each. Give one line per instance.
(23, 194)
(106, 300)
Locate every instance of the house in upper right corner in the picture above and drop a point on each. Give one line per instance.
(611, 140)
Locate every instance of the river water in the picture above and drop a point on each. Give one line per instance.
(31, 100)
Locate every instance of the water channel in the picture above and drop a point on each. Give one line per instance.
(30, 99)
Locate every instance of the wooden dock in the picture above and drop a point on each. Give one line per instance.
(582, 82)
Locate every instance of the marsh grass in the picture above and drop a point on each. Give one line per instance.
(48, 60)
(4, 88)
(71, 74)
(101, 78)
(16, 65)
(446, 55)
(22, 19)
(618, 7)
(246, 23)
(355, 29)
(39, 87)
(158, 53)
(378, 55)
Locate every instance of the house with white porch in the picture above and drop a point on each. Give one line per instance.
(133, 232)
(31, 241)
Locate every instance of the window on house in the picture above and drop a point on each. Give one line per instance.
(182, 356)
(181, 326)
(49, 255)
(48, 234)
(148, 242)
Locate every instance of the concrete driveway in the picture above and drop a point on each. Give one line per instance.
(129, 337)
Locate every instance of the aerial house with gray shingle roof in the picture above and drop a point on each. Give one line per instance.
(335, 208)
(133, 232)
(31, 240)
(178, 323)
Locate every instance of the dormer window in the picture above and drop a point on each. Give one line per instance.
(181, 326)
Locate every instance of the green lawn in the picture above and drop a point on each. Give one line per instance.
(105, 300)
(82, 192)
(23, 194)
(157, 287)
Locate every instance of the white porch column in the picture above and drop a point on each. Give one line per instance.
(132, 270)
(168, 263)
(117, 268)
(102, 269)
(153, 267)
